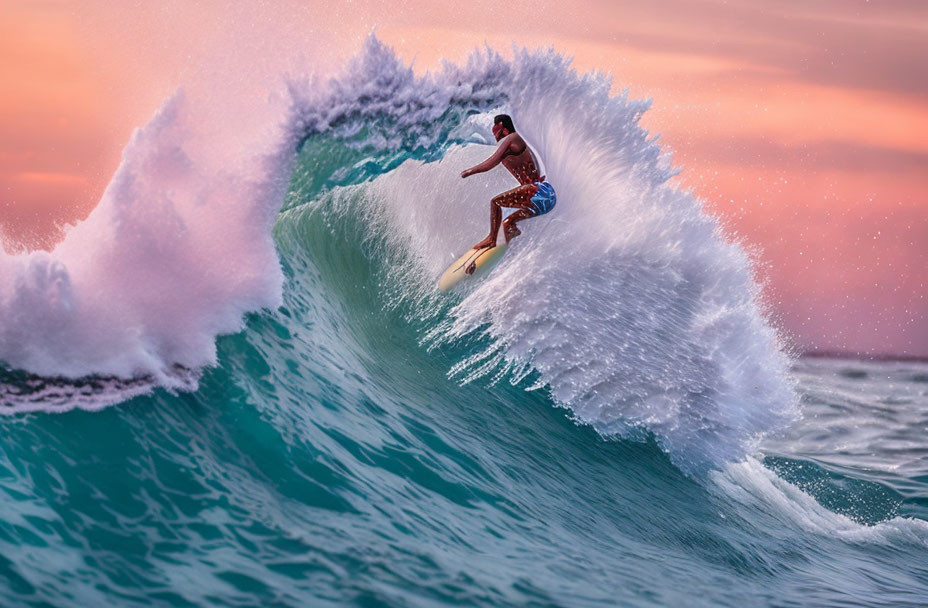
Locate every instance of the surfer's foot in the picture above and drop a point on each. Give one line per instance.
(512, 233)
(487, 242)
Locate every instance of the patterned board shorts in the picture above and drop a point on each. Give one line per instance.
(545, 199)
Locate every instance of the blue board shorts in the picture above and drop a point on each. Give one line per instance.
(545, 199)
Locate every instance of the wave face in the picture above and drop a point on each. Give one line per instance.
(355, 438)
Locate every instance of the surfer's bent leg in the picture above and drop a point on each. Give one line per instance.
(521, 198)
(509, 225)
(541, 201)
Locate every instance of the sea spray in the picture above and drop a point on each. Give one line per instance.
(175, 253)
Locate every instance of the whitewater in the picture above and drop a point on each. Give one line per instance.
(235, 383)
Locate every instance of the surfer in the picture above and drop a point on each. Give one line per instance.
(534, 196)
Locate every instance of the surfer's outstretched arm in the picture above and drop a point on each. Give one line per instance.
(505, 149)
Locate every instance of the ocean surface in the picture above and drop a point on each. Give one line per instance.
(234, 384)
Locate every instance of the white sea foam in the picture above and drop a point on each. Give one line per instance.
(757, 491)
(179, 246)
(177, 250)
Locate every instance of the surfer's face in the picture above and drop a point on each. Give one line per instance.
(499, 131)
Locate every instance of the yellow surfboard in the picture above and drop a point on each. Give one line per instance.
(474, 263)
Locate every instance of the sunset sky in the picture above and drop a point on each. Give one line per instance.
(803, 125)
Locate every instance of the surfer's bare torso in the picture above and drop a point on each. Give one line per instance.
(534, 196)
(514, 154)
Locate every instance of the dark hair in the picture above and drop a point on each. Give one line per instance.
(505, 120)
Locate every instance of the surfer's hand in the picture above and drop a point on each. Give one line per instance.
(466, 173)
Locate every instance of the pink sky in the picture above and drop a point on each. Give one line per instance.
(802, 125)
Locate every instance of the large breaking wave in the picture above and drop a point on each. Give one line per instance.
(628, 304)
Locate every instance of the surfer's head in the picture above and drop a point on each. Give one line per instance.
(502, 126)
